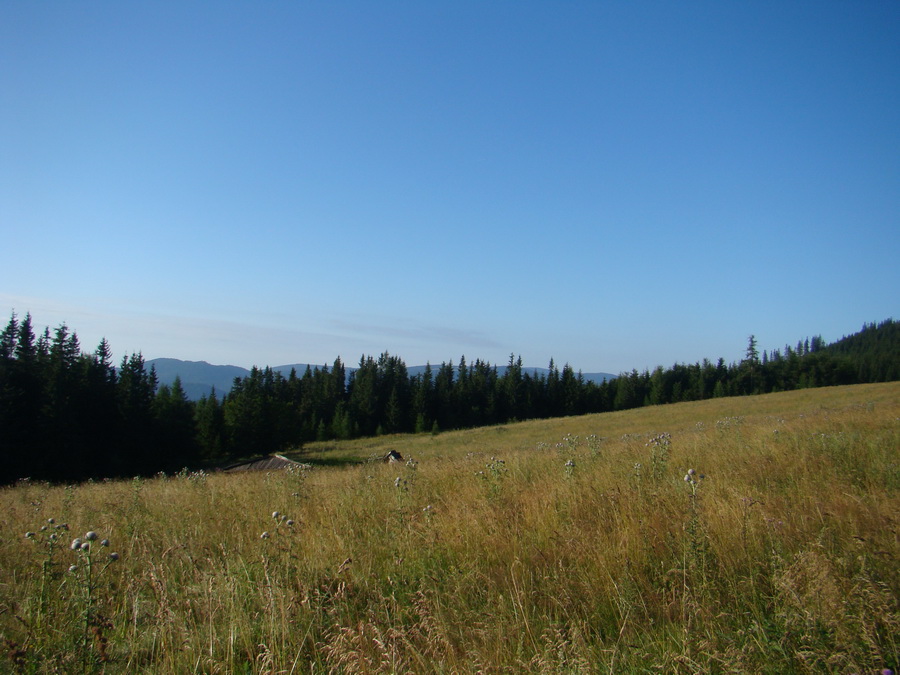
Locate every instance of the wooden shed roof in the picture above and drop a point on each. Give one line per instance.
(270, 463)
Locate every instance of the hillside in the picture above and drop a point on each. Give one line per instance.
(685, 418)
(198, 378)
(874, 351)
(734, 535)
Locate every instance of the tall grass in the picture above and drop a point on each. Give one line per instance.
(578, 545)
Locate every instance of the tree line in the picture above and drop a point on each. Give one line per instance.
(67, 414)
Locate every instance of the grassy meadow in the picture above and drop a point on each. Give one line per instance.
(737, 535)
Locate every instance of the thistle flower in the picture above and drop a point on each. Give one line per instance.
(90, 536)
(276, 515)
(72, 568)
(264, 535)
(691, 472)
(113, 556)
(86, 546)
(51, 520)
(104, 542)
(290, 523)
(29, 535)
(76, 544)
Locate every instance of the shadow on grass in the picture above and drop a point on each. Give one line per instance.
(325, 457)
(330, 461)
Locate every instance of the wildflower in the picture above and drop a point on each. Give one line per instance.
(86, 546)
(113, 556)
(290, 523)
(275, 515)
(570, 463)
(76, 544)
(43, 528)
(72, 568)
(104, 542)
(687, 478)
(91, 536)
(264, 535)
(29, 535)
(691, 472)
(428, 508)
(51, 520)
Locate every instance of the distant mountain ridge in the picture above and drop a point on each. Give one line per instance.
(199, 378)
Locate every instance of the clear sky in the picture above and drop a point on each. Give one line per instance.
(615, 185)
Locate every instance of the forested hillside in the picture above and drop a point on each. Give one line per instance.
(66, 414)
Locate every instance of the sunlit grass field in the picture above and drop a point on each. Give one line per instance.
(739, 535)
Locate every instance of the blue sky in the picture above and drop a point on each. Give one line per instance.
(613, 185)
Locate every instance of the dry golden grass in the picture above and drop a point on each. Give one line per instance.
(571, 545)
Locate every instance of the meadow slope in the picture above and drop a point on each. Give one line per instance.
(754, 534)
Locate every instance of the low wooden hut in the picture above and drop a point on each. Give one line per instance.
(270, 463)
